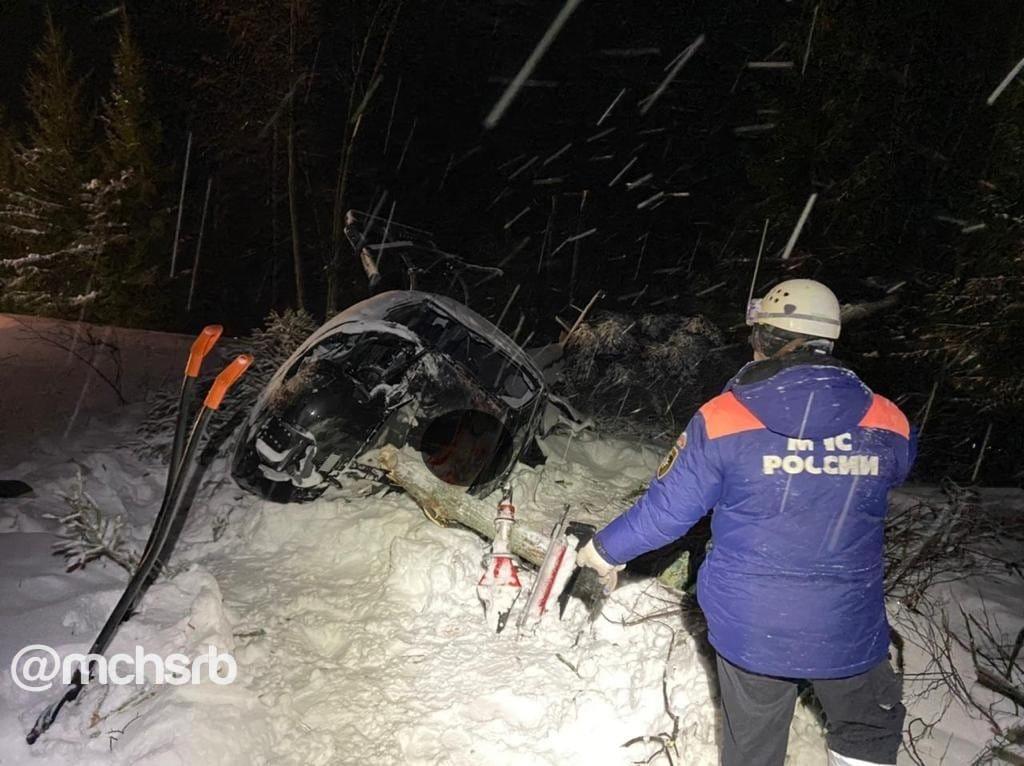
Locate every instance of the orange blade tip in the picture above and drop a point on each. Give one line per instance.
(227, 378)
(201, 346)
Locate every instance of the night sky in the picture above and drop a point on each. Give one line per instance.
(878, 108)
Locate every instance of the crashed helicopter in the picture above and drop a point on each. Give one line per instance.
(401, 368)
(408, 368)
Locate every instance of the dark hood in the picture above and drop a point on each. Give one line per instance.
(804, 395)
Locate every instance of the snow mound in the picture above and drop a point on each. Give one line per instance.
(357, 633)
(369, 620)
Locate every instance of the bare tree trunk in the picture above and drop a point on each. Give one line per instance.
(199, 246)
(181, 204)
(353, 118)
(338, 220)
(293, 214)
(293, 203)
(274, 236)
(450, 504)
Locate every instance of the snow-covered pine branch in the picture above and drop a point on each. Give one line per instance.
(80, 222)
(88, 533)
(640, 368)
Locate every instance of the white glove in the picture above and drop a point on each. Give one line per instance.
(607, 574)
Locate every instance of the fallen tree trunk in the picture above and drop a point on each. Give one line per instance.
(448, 504)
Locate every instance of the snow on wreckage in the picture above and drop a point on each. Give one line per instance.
(408, 368)
(401, 368)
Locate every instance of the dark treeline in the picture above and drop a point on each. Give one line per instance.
(294, 111)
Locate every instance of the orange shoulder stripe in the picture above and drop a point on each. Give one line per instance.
(725, 415)
(885, 415)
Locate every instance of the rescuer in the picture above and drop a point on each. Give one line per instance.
(796, 457)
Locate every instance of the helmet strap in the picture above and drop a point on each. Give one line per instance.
(789, 348)
(763, 338)
(816, 345)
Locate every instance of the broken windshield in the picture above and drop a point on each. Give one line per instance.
(496, 371)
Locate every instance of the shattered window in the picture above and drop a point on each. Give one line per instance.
(496, 371)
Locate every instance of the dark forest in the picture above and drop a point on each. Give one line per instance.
(651, 153)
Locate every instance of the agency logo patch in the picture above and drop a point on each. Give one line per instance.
(681, 441)
(668, 462)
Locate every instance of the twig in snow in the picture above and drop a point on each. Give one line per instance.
(88, 534)
(666, 740)
(568, 664)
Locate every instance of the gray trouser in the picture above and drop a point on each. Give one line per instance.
(863, 715)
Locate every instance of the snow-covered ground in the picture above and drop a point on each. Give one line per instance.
(354, 622)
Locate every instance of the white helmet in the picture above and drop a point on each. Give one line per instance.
(798, 305)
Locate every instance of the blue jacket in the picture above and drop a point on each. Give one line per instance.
(796, 458)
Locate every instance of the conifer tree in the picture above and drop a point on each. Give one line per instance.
(125, 215)
(41, 211)
(83, 233)
(7, 148)
(132, 133)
